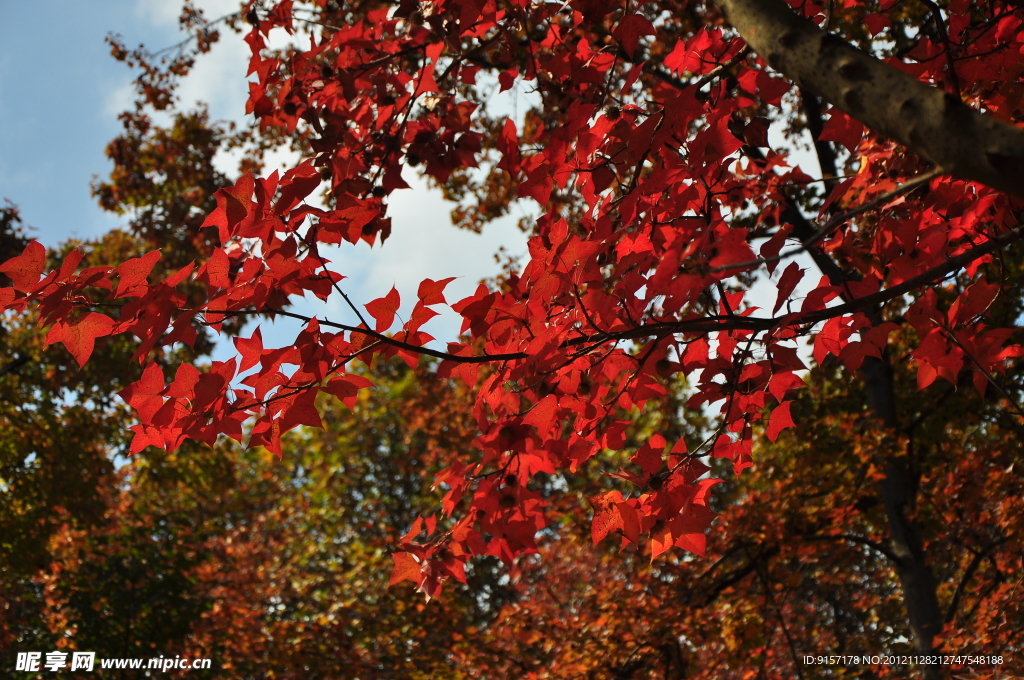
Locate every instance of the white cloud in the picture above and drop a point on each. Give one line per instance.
(158, 13)
(218, 80)
(118, 99)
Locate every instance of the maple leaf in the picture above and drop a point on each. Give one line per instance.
(301, 412)
(432, 292)
(133, 274)
(7, 298)
(217, 271)
(688, 55)
(876, 23)
(146, 394)
(631, 29)
(25, 269)
(843, 129)
(297, 184)
(631, 520)
(145, 435)
(542, 415)
(606, 515)
(79, 334)
(507, 79)
(346, 387)
(383, 309)
(695, 543)
(648, 457)
(234, 205)
(654, 185)
(779, 420)
(787, 284)
(508, 145)
(251, 349)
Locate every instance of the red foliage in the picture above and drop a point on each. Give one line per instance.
(639, 267)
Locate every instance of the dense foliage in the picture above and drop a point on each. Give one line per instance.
(663, 204)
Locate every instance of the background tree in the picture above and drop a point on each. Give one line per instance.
(62, 430)
(797, 561)
(283, 567)
(278, 567)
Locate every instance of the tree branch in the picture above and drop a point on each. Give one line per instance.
(14, 365)
(706, 324)
(804, 229)
(979, 557)
(940, 28)
(709, 324)
(853, 538)
(484, 358)
(981, 369)
(824, 151)
(700, 82)
(925, 119)
(812, 239)
(711, 593)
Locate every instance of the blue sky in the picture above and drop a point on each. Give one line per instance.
(57, 87)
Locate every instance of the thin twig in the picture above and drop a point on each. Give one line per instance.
(14, 365)
(985, 373)
(954, 603)
(853, 538)
(722, 68)
(316, 253)
(940, 27)
(379, 336)
(714, 73)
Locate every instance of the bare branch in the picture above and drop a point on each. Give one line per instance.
(483, 358)
(853, 538)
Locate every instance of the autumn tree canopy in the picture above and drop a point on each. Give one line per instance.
(663, 205)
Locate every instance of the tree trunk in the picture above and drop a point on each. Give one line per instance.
(898, 488)
(945, 131)
(815, 125)
(898, 491)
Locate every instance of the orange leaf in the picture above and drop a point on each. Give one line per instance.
(406, 568)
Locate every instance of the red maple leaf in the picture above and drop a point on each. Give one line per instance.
(383, 309)
(133, 274)
(251, 350)
(631, 29)
(432, 292)
(779, 420)
(25, 269)
(79, 334)
(843, 129)
(406, 568)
